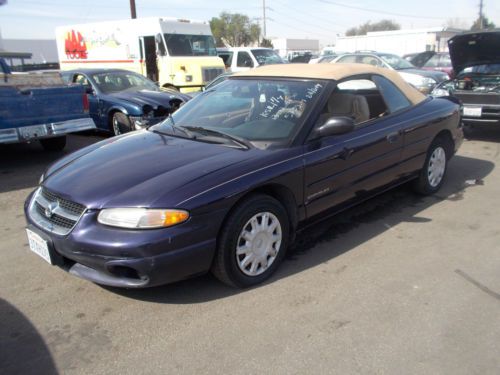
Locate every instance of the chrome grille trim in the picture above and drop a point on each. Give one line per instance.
(64, 215)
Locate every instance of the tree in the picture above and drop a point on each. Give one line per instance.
(382, 25)
(487, 24)
(266, 43)
(235, 28)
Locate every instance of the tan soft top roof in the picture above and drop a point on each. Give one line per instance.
(335, 72)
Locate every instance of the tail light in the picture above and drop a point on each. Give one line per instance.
(85, 103)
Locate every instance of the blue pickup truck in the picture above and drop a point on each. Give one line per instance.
(40, 106)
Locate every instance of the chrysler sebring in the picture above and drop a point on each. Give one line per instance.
(225, 182)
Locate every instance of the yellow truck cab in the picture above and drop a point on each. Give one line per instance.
(173, 52)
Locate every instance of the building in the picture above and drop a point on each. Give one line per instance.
(288, 48)
(399, 42)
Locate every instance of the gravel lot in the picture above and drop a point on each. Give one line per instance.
(400, 284)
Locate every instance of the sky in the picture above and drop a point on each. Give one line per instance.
(313, 19)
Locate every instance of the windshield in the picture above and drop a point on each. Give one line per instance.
(265, 111)
(190, 45)
(493, 69)
(110, 82)
(396, 62)
(267, 56)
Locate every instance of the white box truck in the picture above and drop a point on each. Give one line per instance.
(173, 52)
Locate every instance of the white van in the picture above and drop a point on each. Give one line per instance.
(175, 53)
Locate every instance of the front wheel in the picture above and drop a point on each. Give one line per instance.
(431, 176)
(120, 123)
(252, 242)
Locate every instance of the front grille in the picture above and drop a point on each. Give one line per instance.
(477, 98)
(210, 73)
(53, 213)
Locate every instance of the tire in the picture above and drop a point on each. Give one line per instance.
(54, 144)
(120, 124)
(431, 176)
(270, 242)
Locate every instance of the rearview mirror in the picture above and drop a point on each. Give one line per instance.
(335, 126)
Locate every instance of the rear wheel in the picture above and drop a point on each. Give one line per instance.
(431, 176)
(252, 242)
(120, 123)
(53, 144)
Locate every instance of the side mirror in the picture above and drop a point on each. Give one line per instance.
(89, 90)
(249, 63)
(335, 126)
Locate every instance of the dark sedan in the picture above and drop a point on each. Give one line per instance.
(226, 181)
(121, 100)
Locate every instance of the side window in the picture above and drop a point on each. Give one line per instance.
(394, 98)
(347, 59)
(370, 60)
(81, 79)
(244, 60)
(444, 61)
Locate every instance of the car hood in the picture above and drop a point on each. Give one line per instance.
(153, 98)
(474, 49)
(143, 169)
(436, 75)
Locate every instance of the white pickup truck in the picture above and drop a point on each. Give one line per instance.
(238, 59)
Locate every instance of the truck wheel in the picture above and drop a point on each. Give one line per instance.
(120, 123)
(53, 144)
(252, 242)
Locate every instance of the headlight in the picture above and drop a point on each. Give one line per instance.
(440, 92)
(420, 82)
(141, 217)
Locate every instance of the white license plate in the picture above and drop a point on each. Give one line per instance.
(38, 245)
(472, 111)
(30, 132)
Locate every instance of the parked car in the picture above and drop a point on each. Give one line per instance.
(423, 80)
(430, 60)
(220, 78)
(121, 100)
(238, 59)
(229, 178)
(39, 106)
(476, 59)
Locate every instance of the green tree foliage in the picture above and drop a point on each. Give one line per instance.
(382, 25)
(266, 43)
(487, 24)
(237, 29)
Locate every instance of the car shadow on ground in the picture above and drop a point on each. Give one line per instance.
(385, 211)
(22, 348)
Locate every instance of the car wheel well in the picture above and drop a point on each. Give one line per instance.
(170, 86)
(279, 192)
(446, 136)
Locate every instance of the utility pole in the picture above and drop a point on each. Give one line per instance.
(481, 22)
(264, 18)
(133, 13)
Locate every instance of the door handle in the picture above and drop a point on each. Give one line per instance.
(346, 153)
(393, 137)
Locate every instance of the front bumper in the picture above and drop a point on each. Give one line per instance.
(133, 258)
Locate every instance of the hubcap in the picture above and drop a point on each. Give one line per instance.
(258, 244)
(437, 166)
(116, 127)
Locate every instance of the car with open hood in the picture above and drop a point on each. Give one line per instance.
(226, 181)
(121, 101)
(476, 60)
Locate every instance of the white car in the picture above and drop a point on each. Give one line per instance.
(238, 59)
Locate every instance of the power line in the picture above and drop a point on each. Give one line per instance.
(300, 29)
(302, 21)
(301, 11)
(377, 11)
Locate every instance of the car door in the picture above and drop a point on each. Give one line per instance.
(94, 103)
(349, 167)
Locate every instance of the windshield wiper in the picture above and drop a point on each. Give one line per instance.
(241, 141)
